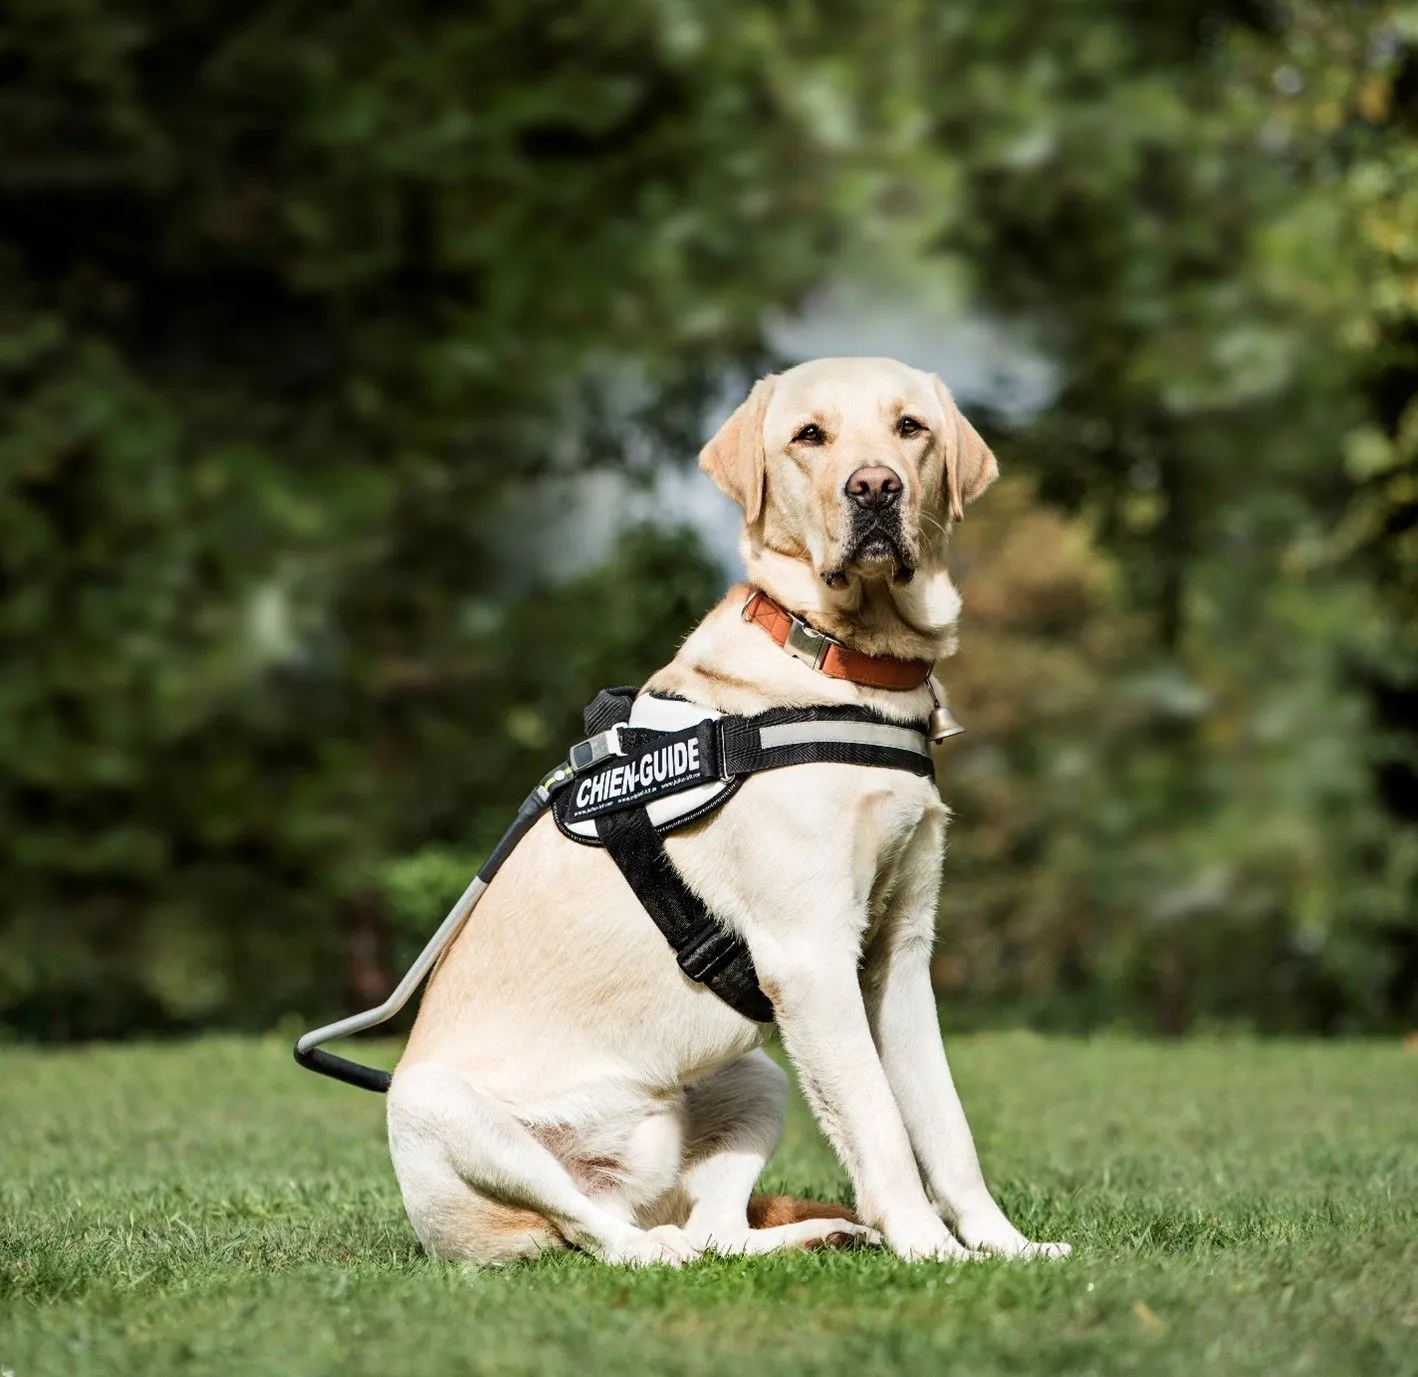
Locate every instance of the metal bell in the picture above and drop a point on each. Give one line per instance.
(942, 726)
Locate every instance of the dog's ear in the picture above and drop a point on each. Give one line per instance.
(735, 457)
(970, 467)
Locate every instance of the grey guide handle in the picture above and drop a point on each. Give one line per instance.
(308, 1047)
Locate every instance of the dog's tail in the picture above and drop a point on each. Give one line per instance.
(768, 1211)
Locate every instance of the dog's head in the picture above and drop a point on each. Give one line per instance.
(852, 469)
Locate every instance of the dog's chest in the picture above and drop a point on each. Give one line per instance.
(900, 839)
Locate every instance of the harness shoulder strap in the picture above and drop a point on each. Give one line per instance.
(809, 736)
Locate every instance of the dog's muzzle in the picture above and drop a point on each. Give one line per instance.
(875, 537)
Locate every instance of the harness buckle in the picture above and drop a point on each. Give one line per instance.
(594, 749)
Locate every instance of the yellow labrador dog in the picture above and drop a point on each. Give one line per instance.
(565, 1083)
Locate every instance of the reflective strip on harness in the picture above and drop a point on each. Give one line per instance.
(858, 733)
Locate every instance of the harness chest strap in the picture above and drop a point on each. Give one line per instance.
(642, 765)
(707, 952)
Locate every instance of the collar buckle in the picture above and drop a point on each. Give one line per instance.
(805, 644)
(813, 648)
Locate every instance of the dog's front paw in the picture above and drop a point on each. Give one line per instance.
(663, 1246)
(993, 1234)
(924, 1240)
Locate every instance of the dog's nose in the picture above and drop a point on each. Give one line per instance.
(874, 487)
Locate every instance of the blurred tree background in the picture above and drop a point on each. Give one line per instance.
(299, 302)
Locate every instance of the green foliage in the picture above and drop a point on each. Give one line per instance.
(1142, 198)
(1233, 1205)
(554, 651)
(292, 298)
(295, 300)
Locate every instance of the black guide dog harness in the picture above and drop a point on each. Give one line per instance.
(651, 765)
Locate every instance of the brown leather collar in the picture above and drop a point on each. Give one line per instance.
(829, 656)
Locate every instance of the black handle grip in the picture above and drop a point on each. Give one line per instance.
(351, 1072)
(533, 806)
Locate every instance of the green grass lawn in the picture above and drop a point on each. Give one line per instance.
(1235, 1207)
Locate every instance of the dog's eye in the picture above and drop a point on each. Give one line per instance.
(908, 426)
(810, 435)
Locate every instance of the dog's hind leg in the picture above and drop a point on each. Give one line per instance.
(733, 1120)
(478, 1187)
